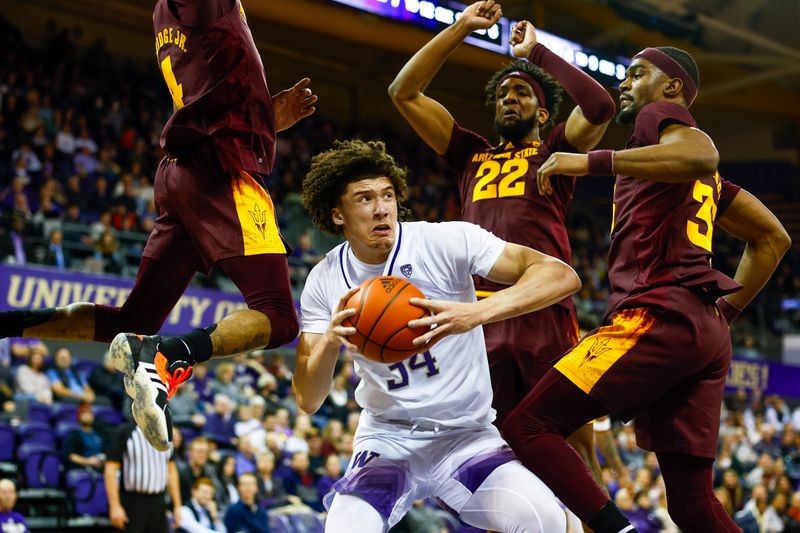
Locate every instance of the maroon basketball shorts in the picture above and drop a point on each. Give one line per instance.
(521, 350)
(663, 364)
(210, 214)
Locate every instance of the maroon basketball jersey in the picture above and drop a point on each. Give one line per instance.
(662, 232)
(498, 192)
(219, 89)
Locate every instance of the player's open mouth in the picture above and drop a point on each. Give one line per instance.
(510, 113)
(625, 99)
(382, 229)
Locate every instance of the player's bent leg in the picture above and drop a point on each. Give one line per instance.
(583, 442)
(350, 513)
(270, 320)
(690, 494)
(513, 500)
(537, 432)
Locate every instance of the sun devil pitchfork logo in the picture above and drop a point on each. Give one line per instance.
(259, 219)
(597, 348)
(406, 270)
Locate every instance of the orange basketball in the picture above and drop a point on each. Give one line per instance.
(381, 320)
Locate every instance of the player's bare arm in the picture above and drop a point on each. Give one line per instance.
(580, 132)
(294, 104)
(682, 154)
(316, 356)
(432, 122)
(749, 220)
(537, 281)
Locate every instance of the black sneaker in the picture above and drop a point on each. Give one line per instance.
(150, 380)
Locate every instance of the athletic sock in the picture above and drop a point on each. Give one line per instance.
(194, 347)
(609, 519)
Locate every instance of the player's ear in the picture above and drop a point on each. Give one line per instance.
(336, 216)
(542, 115)
(673, 88)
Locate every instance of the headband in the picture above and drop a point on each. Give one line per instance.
(671, 68)
(524, 76)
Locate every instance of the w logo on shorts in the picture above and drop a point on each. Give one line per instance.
(362, 458)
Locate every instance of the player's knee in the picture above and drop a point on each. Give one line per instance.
(518, 428)
(284, 326)
(683, 512)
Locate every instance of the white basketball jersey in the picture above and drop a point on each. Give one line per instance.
(449, 385)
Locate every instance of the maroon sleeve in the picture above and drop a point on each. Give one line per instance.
(726, 195)
(199, 12)
(463, 143)
(557, 140)
(656, 116)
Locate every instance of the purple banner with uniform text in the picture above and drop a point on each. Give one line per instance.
(767, 377)
(35, 288)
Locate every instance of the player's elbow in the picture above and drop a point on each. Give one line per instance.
(399, 92)
(779, 240)
(708, 161)
(572, 282)
(305, 402)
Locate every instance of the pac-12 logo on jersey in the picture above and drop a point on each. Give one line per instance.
(406, 270)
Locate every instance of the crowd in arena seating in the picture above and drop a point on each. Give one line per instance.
(78, 150)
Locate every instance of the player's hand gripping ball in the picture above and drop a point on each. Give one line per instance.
(381, 320)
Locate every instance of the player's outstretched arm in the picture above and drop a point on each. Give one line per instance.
(536, 281)
(749, 220)
(588, 121)
(682, 154)
(316, 355)
(429, 118)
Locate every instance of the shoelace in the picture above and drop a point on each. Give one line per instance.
(174, 378)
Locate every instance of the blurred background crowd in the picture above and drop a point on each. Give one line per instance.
(79, 137)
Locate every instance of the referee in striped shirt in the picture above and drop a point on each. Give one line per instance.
(137, 478)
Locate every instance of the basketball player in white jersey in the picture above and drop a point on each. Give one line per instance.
(426, 426)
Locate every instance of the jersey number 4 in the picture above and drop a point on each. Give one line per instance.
(175, 88)
(420, 360)
(510, 184)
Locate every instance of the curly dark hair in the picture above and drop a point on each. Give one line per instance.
(348, 161)
(553, 93)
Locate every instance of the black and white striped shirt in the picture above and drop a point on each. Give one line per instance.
(144, 469)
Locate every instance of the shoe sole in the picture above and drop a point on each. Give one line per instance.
(150, 418)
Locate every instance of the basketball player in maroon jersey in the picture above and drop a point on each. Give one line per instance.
(663, 353)
(213, 211)
(498, 183)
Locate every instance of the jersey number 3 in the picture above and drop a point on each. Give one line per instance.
(175, 88)
(510, 183)
(699, 236)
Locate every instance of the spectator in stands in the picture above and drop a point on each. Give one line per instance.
(197, 467)
(186, 408)
(10, 520)
(107, 249)
(250, 428)
(732, 485)
(246, 515)
(226, 473)
(223, 383)
(298, 439)
(755, 508)
(271, 491)
(302, 483)
(202, 384)
(84, 447)
(56, 255)
(421, 518)
(14, 245)
(104, 381)
(199, 513)
(220, 424)
(245, 458)
(338, 399)
(67, 384)
(32, 381)
(642, 519)
(267, 390)
(331, 473)
(100, 198)
(7, 387)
